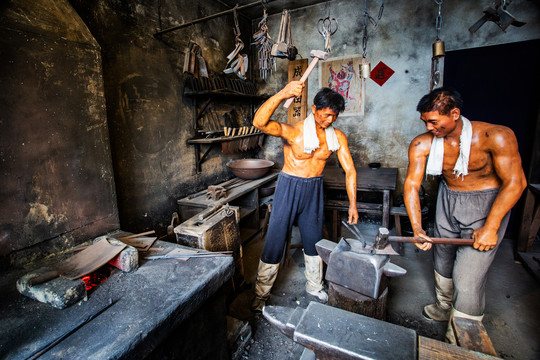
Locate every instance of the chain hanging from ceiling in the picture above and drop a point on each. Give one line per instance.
(437, 59)
(365, 66)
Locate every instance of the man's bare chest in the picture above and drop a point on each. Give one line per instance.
(479, 158)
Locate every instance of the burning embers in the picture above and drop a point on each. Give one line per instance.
(60, 284)
(99, 276)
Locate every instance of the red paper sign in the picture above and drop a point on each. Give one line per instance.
(381, 73)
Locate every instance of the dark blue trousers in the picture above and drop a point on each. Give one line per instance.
(296, 200)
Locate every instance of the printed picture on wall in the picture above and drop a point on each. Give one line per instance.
(341, 74)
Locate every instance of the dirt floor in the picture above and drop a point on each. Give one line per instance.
(512, 301)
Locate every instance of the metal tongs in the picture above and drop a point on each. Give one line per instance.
(356, 232)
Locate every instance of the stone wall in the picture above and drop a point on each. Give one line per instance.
(57, 186)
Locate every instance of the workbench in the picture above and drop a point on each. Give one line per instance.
(382, 180)
(157, 309)
(245, 196)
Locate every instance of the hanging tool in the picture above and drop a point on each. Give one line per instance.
(437, 60)
(237, 63)
(316, 55)
(327, 27)
(499, 15)
(267, 62)
(194, 62)
(284, 47)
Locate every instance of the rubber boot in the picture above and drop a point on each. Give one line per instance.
(314, 277)
(444, 290)
(450, 336)
(266, 276)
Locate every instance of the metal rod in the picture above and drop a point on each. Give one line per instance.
(209, 17)
(448, 241)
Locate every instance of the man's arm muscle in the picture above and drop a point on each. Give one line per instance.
(262, 121)
(502, 144)
(418, 153)
(346, 161)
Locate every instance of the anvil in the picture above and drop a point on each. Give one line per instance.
(332, 333)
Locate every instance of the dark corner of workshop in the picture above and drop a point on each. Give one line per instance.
(176, 185)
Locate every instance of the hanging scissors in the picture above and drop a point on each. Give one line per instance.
(327, 27)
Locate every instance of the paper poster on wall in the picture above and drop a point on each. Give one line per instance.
(341, 74)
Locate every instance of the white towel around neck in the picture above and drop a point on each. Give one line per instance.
(311, 140)
(436, 153)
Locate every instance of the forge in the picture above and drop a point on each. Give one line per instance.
(166, 307)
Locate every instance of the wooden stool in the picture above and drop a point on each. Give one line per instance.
(398, 212)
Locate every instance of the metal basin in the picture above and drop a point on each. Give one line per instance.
(267, 189)
(250, 168)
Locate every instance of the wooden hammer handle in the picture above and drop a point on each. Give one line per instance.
(303, 79)
(446, 241)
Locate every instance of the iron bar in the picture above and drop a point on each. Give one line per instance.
(209, 17)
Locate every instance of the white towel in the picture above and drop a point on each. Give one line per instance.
(436, 153)
(311, 140)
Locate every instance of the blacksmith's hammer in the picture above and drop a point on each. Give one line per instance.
(382, 239)
(316, 55)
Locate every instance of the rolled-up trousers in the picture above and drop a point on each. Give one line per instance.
(458, 215)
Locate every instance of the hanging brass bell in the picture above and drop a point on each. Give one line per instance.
(365, 69)
(438, 48)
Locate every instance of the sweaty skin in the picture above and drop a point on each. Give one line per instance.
(494, 162)
(298, 163)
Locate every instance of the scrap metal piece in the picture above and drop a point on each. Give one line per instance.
(216, 192)
(333, 333)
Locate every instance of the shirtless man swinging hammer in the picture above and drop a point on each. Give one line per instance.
(299, 191)
(482, 179)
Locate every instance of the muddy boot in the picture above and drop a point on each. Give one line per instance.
(440, 310)
(266, 275)
(450, 336)
(314, 277)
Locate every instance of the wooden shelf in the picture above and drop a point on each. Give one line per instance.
(220, 139)
(202, 99)
(245, 211)
(224, 93)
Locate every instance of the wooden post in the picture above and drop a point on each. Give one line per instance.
(298, 110)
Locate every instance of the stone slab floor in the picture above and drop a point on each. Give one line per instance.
(512, 312)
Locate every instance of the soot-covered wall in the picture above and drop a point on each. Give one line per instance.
(57, 186)
(150, 120)
(403, 41)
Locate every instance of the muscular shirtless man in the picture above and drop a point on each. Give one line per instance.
(299, 191)
(482, 179)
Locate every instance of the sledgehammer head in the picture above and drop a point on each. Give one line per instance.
(323, 55)
(382, 238)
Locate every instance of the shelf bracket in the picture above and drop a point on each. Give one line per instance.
(200, 159)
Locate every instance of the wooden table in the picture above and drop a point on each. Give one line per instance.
(381, 180)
